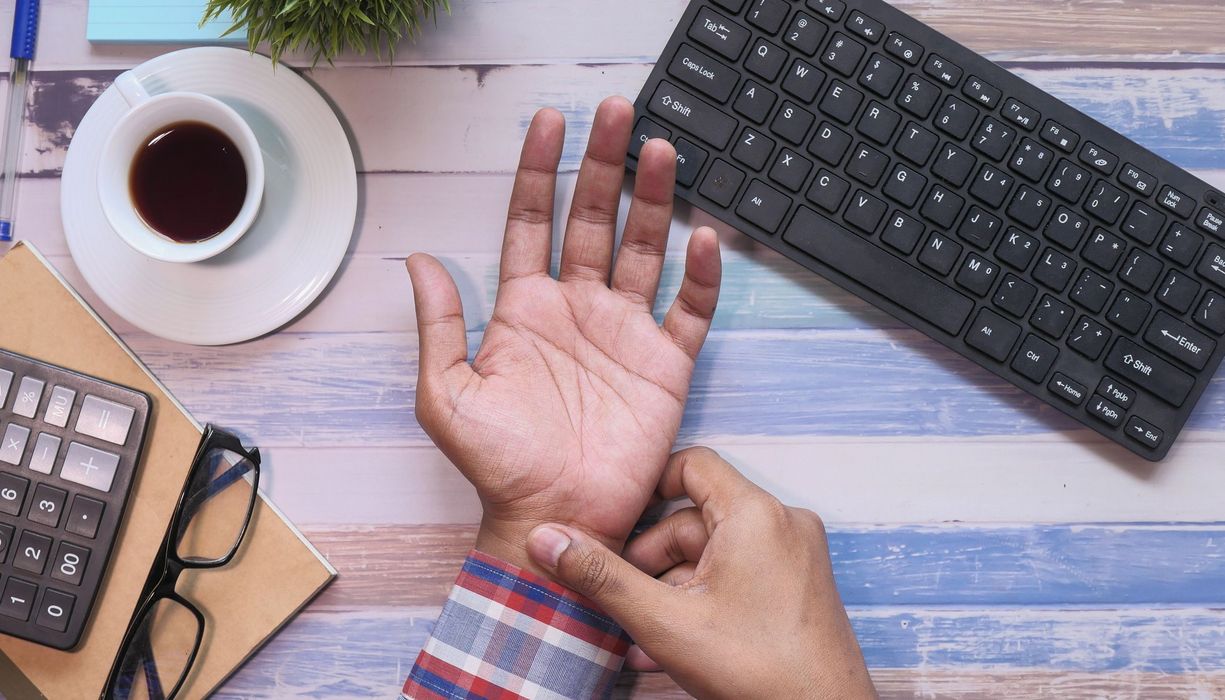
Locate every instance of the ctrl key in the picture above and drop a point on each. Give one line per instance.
(1144, 433)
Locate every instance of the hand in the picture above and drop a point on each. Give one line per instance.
(573, 403)
(747, 606)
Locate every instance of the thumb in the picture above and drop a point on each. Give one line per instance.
(579, 562)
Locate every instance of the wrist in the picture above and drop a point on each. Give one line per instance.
(507, 540)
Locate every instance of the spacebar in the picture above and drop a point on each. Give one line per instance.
(872, 267)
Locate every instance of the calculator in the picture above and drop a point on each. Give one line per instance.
(69, 446)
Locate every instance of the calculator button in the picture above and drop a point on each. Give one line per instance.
(6, 539)
(46, 449)
(6, 381)
(18, 599)
(59, 406)
(29, 394)
(84, 517)
(47, 505)
(33, 550)
(89, 467)
(105, 420)
(14, 447)
(55, 610)
(70, 563)
(12, 493)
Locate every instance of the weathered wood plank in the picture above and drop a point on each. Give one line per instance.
(368, 652)
(954, 565)
(489, 31)
(1176, 113)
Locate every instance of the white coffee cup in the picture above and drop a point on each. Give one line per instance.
(146, 116)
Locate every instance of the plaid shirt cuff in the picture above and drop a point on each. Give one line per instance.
(506, 633)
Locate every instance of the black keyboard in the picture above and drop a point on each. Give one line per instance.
(69, 451)
(909, 170)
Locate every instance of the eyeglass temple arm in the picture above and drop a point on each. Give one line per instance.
(216, 486)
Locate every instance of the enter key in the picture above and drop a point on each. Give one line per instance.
(1180, 341)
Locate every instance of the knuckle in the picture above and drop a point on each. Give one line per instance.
(594, 575)
(811, 520)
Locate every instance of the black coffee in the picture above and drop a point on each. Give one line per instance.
(188, 182)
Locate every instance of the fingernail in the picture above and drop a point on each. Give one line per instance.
(546, 545)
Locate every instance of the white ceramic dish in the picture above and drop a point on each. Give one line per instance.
(293, 249)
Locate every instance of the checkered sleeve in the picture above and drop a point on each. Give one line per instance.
(506, 633)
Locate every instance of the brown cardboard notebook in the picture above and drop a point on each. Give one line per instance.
(274, 575)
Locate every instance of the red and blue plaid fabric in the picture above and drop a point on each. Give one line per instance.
(506, 633)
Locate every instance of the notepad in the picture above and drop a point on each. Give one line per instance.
(155, 21)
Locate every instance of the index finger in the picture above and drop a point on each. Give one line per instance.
(708, 480)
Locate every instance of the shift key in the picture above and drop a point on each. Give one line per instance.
(693, 115)
(1146, 370)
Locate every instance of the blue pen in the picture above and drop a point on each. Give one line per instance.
(25, 33)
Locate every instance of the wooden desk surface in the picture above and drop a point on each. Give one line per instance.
(984, 545)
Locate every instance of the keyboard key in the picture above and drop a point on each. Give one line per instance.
(940, 254)
(719, 34)
(945, 71)
(977, 275)
(1180, 341)
(29, 394)
(1144, 223)
(880, 75)
(828, 191)
(841, 102)
(1065, 388)
(1129, 312)
(1211, 221)
(84, 516)
(954, 164)
(805, 34)
(1211, 313)
(1149, 372)
(903, 233)
(1176, 202)
(1031, 160)
(1178, 291)
(766, 60)
(1104, 250)
(830, 143)
(803, 81)
(1099, 158)
(991, 186)
(1029, 207)
(980, 229)
(790, 170)
(55, 610)
(1052, 317)
(1182, 244)
(994, 139)
(753, 149)
(918, 97)
(733, 6)
(1069, 181)
(703, 73)
(874, 268)
(1116, 392)
(864, 26)
(1021, 114)
(1106, 412)
(993, 335)
(1055, 269)
(643, 132)
(1144, 432)
(792, 123)
(1092, 291)
(764, 206)
(916, 144)
(1015, 296)
(843, 54)
(32, 553)
(70, 562)
(18, 598)
(1089, 338)
(1066, 229)
(1035, 359)
(1017, 249)
(689, 161)
(6, 381)
(755, 102)
(12, 493)
(1212, 267)
(865, 212)
(6, 540)
(829, 9)
(867, 165)
(1138, 180)
(687, 112)
(905, 185)
(89, 467)
(105, 420)
(47, 505)
(15, 439)
(1141, 271)
(942, 207)
(903, 48)
(768, 15)
(879, 123)
(956, 118)
(1060, 136)
(982, 92)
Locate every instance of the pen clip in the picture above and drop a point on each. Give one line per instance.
(25, 29)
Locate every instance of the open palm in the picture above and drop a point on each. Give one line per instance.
(570, 409)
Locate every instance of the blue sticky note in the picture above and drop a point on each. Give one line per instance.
(155, 21)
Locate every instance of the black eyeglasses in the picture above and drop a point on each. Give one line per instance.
(207, 527)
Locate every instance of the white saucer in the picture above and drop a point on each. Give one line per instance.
(291, 252)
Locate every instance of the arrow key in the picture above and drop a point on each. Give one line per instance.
(1144, 432)
(1106, 412)
(1122, 395)
(1065, 388)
